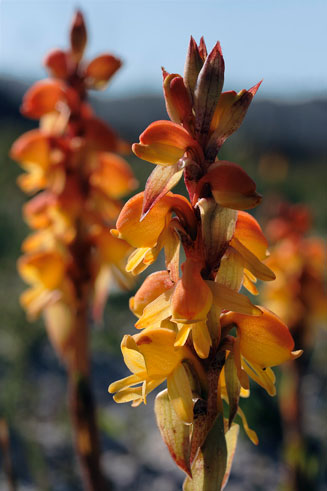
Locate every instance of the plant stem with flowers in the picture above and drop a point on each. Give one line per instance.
(71, 162)
(197, 331)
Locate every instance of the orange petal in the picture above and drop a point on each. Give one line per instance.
(192, 298)
(249, 233)
(145, 233)
(57, 63)
(164, 143)
(101, 69)
(231, 186)
(113, 175)
(43, 97)
(46, 268)
(32, 148)
(153, 286)
(264, 340)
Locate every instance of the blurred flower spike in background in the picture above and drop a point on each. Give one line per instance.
(71, 162)
(197, 330)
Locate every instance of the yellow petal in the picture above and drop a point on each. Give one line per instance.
(153, 286)
(250, 433)
(228, 299)
(201, 339)
(264, 340)
(182, 334)
(180, 394)
(157, 347)
(156, 311)
(124, 383)
(252, 263)
(249, 233)
(133, 359)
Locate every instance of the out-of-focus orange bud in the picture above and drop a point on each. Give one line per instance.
(57, 63)
(78, 36)
(35, 211)
(111, 249)
(99, 135)
(32, 148)
(164, 143)
(249, 233)
(231, 186)
(153, 286)
(100, 70)
(264, 340)
(44, 96)
(178, 102)
(47, 268)
(192, 298)
(113, 175)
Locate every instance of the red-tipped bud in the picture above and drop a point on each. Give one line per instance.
(193, 65)
(208, 89)
(178, 102)
(78, 36)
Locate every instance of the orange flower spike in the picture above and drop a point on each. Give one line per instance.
(231, 186)
(164, 143)
(153, 286)
(264, 340)
(249, 233)
(178, 102)
(192, 298)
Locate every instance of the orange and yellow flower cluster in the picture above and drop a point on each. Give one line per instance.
(299, 294)
(71, 162)
(198, 331)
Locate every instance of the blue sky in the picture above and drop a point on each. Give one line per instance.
(283, 42)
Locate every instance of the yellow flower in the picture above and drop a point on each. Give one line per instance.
(152, 358)
(262, 342)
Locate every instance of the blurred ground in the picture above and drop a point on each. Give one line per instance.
(284, 149)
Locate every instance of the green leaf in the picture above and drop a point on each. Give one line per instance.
(233, 386)
(174, 432)
(209, 467)
(231, 441)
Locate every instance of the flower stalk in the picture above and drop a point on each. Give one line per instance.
(195, 312)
